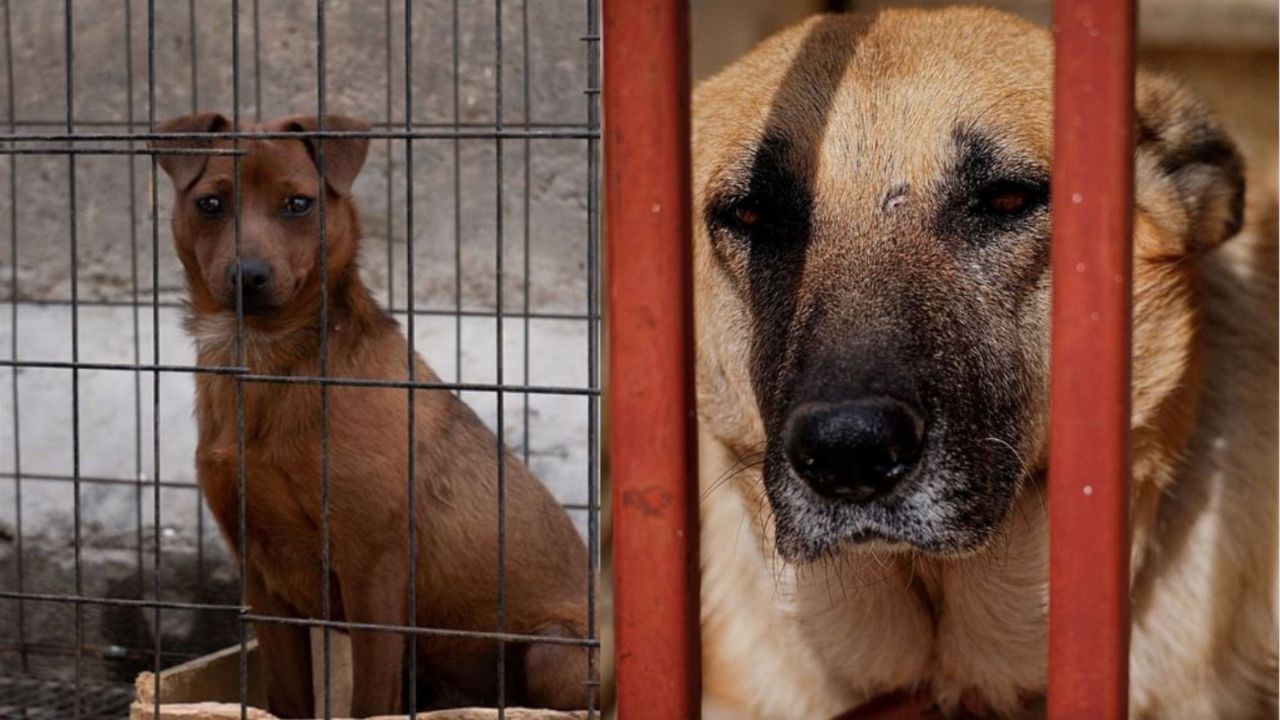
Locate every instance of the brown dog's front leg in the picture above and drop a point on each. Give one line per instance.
(376, 594)
(556, 675)
(285, 652)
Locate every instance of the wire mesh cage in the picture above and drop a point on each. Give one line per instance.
(480, 215)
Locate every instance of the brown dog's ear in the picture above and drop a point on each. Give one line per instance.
(343, 157)
(1182, 148)
(184, 169)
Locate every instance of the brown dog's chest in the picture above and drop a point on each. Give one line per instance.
(282, 489)
(282, 539)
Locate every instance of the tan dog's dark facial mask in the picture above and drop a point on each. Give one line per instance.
(881, 228)
(885, 357)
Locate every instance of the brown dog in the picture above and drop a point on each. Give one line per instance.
(455, 457)
(872, 233)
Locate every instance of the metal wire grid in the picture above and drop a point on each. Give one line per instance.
(90, 699)
(36, 699)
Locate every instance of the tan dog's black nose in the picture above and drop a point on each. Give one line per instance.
(853, 451)
(253, 276)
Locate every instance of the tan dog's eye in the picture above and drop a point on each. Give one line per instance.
(1011, 198)
(753, 217)
(209, 205)
(746, 215)
(1007, 203)
(298, 205)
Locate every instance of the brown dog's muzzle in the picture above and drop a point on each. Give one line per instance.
(250, 279)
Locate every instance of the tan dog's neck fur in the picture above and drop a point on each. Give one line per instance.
(784, 641)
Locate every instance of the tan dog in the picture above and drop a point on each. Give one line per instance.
(872, 224)
(455, 457)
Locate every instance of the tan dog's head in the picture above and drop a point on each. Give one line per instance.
(279, 191)
(872, 228)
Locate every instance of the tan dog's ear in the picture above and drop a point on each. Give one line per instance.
(1184, 154)
(343, 157)
(184, 169)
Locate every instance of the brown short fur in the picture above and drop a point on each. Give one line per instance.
(842, 243)
(455, 462)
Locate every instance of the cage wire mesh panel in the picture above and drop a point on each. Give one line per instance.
(480, 221)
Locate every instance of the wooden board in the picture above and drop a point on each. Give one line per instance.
(208, 688)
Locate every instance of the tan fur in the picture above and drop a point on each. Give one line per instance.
(782, 641)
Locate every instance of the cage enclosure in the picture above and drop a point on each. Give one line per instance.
(480, 226)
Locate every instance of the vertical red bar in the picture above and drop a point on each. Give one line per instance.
(651, 405)
(1089, 445)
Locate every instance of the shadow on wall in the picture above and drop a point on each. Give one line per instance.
(118, 641)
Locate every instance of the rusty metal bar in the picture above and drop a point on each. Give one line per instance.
(1089, 443)
(652, 446)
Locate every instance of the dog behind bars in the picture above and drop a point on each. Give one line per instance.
(872, 258)
(280, 279)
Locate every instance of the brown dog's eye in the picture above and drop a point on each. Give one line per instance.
(1011, 198)
(298, 205)
(209, 205)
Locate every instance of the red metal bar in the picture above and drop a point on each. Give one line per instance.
(650, 402)
(1089, 445)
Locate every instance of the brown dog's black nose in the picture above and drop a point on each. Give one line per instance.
(253, 276)
(855, 450)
